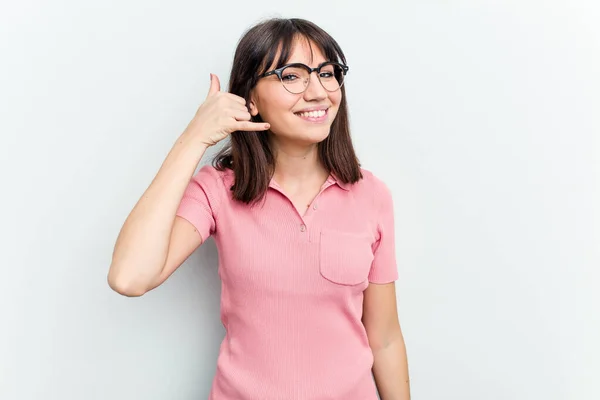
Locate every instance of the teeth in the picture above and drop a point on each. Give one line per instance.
(312, 114)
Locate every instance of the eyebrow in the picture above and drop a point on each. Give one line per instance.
(308, 65)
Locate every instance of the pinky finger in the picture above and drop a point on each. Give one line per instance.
(252, 126)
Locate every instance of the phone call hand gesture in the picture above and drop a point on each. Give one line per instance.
(221, 114)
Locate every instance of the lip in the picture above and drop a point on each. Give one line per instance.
(316, 108)
(322, 119)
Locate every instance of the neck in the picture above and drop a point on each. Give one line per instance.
(297, 164)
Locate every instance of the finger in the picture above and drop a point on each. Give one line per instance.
(234, 105)
(252, 126)
(236, 98)
(241, 115)
(215, 85)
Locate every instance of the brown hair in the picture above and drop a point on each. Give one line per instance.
(249, 154)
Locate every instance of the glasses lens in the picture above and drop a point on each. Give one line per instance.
(331, 77)
(295, 79)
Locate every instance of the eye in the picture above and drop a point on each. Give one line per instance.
(289, 77)
(326, 74)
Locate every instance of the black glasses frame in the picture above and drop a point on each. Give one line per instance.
(310, 70)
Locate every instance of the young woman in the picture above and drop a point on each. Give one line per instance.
(305, 236)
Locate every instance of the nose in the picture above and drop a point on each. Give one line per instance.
(315, 91)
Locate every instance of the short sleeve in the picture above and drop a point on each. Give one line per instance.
(201, 200)
(384, 268)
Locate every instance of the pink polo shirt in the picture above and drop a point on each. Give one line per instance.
(292, 286)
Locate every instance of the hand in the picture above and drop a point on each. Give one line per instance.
(221, 114)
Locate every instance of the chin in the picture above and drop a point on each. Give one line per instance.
(314, 137)
(305, 137)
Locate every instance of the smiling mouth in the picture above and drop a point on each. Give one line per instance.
(313, 116)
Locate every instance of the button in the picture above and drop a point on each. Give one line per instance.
(302, 228)
(315, 206)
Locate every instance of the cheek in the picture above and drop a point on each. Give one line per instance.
(335, 98)
(277, 107)
(274, 114)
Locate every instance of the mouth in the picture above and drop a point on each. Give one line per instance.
(314, 115)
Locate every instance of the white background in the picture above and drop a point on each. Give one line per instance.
(482, 117)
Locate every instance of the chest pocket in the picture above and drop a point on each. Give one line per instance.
(345, 258)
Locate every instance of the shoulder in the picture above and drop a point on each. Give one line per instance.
(212, 178)
(371, 183)
(212, 185)
(373, 192)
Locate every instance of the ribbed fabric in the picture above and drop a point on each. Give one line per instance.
(292, 286)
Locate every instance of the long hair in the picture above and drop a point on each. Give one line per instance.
(249, 154)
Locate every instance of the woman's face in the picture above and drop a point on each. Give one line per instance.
(290, 114)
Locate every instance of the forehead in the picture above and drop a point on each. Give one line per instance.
(302, 50)
(306, 52)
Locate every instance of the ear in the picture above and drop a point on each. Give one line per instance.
(253, 108)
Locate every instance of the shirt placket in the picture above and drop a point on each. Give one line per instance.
(305, 222)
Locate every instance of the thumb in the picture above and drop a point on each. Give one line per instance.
(215, 85)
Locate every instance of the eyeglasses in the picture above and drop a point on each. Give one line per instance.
(296, 77)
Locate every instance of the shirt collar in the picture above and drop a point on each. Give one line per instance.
(331, 180)
(334, 180)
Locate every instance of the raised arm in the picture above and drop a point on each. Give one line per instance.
(153, 242)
